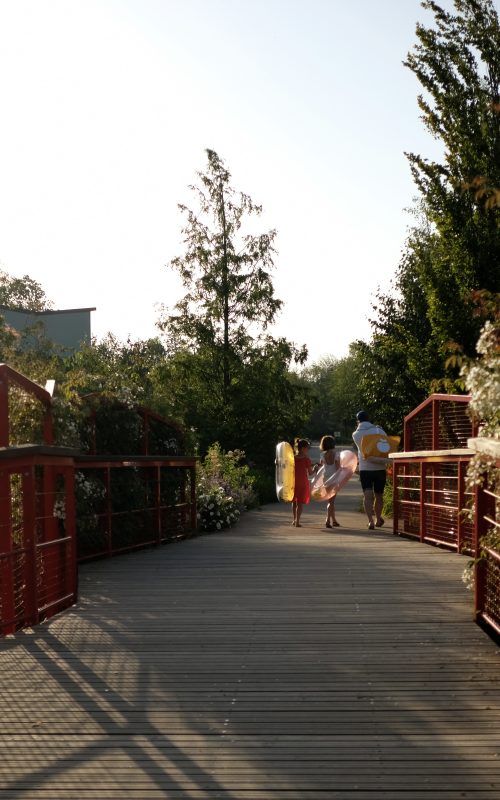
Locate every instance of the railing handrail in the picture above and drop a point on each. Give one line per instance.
(13, 376)
(454, 398)
(8, 376)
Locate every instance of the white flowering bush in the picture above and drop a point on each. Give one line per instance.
(224, 488)
(216, 510)
(227, 471)
(482, 380)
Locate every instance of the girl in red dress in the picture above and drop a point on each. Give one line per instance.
(303, 468)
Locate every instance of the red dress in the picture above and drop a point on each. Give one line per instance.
(302, 487)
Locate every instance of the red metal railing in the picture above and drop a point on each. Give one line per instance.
(430, 498)
(133, 502)
(37, 549)
(487, 524)
(9, 377)
(431, 502)
(158, 435)
(441, 422)
(45, 525)
(119, 503)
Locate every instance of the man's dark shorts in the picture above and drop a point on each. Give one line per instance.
(372, 479)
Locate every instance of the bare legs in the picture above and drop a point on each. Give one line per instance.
(297, 511)
(373, 506)
(331, 522)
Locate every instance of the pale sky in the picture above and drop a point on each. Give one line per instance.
(108, 107)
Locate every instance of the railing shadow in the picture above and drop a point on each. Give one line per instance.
(285, 653)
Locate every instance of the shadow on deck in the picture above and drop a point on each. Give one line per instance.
(262, 663)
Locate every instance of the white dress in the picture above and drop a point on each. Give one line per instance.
(330, 469)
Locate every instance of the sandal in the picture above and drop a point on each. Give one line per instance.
(379, 522)
(371, 526)
(327, 524)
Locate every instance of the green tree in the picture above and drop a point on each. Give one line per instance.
(231, 379)
(453, 249)
(398, 366)
(226, 272)
(457, 61)
(266, 403)
(22, 293)
(336, 387)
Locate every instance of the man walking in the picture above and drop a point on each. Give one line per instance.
(371, 472)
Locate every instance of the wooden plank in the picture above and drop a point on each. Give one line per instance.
(263, 664)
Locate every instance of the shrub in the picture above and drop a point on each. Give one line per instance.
(224, 488)
(264, 484)
(226, 471)
(216, 511)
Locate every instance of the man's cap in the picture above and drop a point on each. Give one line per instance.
(362, 416)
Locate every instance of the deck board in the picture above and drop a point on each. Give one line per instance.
(263, 663)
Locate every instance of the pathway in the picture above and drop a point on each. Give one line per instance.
(263, 663)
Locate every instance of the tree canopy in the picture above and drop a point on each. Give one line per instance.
(231, 377)
(453, 248)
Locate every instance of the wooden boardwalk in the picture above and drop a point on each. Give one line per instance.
(264, 663)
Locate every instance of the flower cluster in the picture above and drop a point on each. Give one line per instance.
(216, 510)
(59, 509)
(87, 488)
(482, 378)
(468, 575)
(227, 471)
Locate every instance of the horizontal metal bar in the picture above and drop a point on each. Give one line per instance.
(59, 600)
(42, 545)
(489, 621)
(493, 553)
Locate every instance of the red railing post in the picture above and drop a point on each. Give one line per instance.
(30, 546)
(423, 516)
(109, 510)
(7, 603)
(70, 564)
(395, 496)
(157, 478)
(462, 470)
(435, 425)
(194, 518)
(481, 508)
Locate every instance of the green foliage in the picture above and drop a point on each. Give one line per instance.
(388, 504)
(457, 61)
(230, 381)
(228, 472)
(335, 386)
(224, 488)
(482, 379)
(22, 293)
(264, 483)
(111, 380)
(225, 270)
(89, 499)
(216, 511)
(453, 249)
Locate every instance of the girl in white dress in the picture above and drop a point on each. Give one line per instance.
(331, 462)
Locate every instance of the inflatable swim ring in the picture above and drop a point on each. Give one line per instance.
(285, 472)
(376, 446)
(322, 490)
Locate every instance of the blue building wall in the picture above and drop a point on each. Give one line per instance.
(68, 328)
